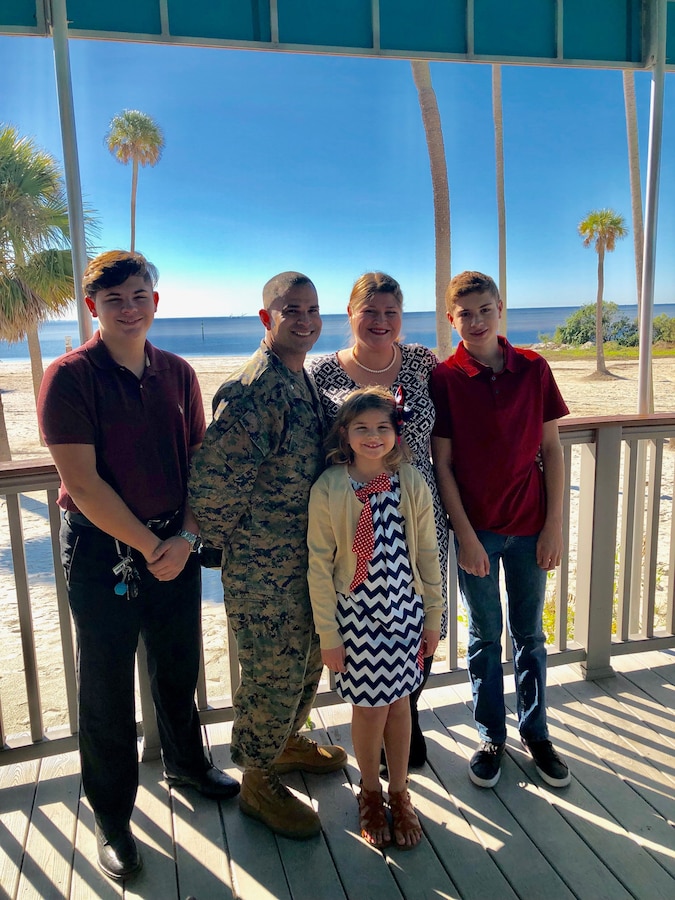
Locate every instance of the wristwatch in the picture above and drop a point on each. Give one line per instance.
(193, 540)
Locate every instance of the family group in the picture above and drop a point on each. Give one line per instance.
(329, 488)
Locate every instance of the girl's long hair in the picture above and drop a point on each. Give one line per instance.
(338, 451)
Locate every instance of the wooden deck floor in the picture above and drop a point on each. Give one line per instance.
(608, 836)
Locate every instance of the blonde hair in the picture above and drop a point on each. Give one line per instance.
(338, 451)
(374, 283)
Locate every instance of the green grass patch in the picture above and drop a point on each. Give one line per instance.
(612, 351)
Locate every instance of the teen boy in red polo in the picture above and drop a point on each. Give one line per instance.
(499, 468)
(121, 420)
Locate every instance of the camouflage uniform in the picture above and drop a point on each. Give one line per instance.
(249, 490)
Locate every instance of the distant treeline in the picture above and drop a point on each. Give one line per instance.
(579, 328)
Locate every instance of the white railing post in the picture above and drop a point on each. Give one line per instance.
(598, 505)
(651, 538)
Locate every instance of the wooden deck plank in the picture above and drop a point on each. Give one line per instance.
(658, 719)
(363, 870)
(628, 862)
(257, 871)
(309, 866)
(627, 807)
(47, 864)
(457, 829)
(634, 725)
(488, 811)
(650, 682)
(200, 845)
(218, 738)
(516, 821)
(18, 785)
(421, 874)
(609, 835)
(623, 750)
(152, 827)
(256, 868)
(430, 870)
(88, 881)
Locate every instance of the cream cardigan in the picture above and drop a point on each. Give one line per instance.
(334, 511)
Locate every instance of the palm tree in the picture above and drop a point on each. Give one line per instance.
(602, 228)
(133, 135)
(36, 270)
(499, 170)
(431, 120)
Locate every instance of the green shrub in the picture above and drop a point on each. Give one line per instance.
(579, 328)
(664, 329)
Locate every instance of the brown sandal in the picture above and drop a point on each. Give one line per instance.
(404, 819)
(372, 818)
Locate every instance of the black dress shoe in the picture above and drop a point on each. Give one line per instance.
(211, 783)
(118, 855)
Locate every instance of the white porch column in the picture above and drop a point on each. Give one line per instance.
(658, 19)
(64, 92)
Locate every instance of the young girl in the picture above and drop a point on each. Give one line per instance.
(373, 557)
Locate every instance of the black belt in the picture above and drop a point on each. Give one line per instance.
(76, 518)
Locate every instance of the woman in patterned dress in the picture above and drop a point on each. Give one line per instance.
(375, 588)
(378, 358)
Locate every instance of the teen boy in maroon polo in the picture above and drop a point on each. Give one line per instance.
(121, 419)
(499, 468)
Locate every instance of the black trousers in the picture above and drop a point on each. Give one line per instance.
(168, 616)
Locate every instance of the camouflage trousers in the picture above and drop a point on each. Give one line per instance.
(281, 665)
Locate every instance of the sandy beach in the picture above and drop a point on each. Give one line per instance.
(585, 396)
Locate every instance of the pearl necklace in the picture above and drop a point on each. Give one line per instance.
(374, 371)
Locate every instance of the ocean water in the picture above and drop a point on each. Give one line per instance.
(240, 335)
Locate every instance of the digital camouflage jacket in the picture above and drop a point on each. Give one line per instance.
(250, 481)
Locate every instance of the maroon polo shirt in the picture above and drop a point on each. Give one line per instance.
(495, 423)
(142, 429)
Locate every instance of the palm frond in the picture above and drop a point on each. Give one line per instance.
(36, 269)
(602, 228)
(39, 290)
(133, 135)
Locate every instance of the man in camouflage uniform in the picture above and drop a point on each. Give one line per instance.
(249, 491)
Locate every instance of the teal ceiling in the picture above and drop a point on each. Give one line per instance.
(556, 32)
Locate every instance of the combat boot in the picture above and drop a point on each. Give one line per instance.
(265, 798)
(303, 755)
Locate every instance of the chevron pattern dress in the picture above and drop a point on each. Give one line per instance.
(381, 620)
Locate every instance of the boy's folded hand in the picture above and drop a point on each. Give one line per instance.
(472, 558)
(549, 547)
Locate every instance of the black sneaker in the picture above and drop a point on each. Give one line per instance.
(484, 765)
(551, 767)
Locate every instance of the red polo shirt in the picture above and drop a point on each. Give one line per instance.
(142, 429)
(495, 423)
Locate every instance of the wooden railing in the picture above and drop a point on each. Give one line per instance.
(613, 593)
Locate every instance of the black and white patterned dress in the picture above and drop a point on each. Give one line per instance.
(417, 364)
(381, 620)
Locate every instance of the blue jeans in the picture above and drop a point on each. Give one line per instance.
(525, 589)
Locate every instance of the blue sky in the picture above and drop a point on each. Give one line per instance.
(285, 161)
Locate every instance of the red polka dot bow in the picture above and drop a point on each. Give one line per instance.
(364, 539)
